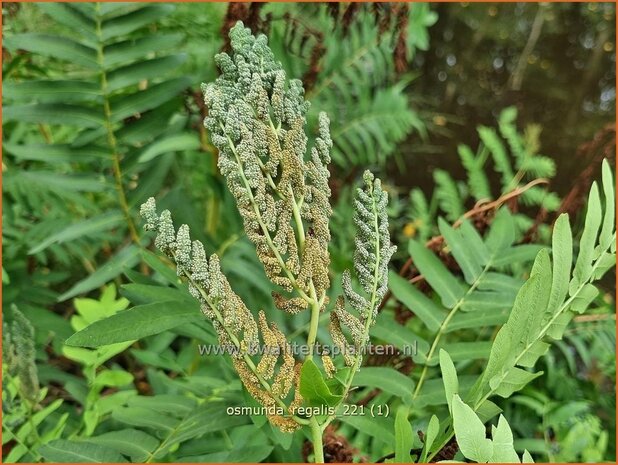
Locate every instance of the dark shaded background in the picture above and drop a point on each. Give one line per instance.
(554, 62)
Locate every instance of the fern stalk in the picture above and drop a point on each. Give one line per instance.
(445, 324)
(111, 137)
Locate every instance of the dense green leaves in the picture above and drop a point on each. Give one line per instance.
(541, 307)
(403, 436)
(446, 285)
(470, 432)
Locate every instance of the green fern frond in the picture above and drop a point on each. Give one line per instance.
(482, 297)
(554, 293)
(373, 126)
(478, 182)
(448, 195)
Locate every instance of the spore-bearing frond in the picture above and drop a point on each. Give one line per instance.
(231, 319)
(257, 120)
(19, 352)
(207, 283)
(371, 257)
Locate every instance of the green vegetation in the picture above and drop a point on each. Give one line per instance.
(267, 316)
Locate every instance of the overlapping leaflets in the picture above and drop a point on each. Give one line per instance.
(552, 295)
(475, 446)
(481, 299)
(98, 109)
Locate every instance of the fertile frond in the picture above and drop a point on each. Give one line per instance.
(256, 120)
(373, 252)
(235, 325)
(18, 354)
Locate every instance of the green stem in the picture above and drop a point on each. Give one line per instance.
(315, 321)
(111, 137)
(316, 438)
(443, 327)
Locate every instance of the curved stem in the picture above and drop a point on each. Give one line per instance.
(444, 325)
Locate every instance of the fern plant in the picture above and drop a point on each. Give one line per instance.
(555, 291)
(256, 120)
(354, 78)
(513, 157)
(83, 133)
(22, 395)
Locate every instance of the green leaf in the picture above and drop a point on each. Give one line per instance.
(584, 298)
(113, 378)
(429, 312)
(462, 251)
(122, 25)
(166, 403)
(609, 225)
(583, 265)
(146, 293)
(135, 323)
(93, 225)
(502, 438)
(449, 377)
(388, 380)
(148, 69)
(526, 457)
(53, 46)
(63, 451)
(52, 91)
(515, 380)
(130, 442)
(501, 233)
(403, 436)
(447, 194)
(173, 143)
(379, 428)
(313, 388)
(470, 433)
(462, 351)
(474, 241)
(132, 49)
(126, 258)
(56, 153)
(67, 14)
(436, 274)
(517, 254)
(56, 113)
(144, 417)
(388, 330)
(476, 319)
(124, 106)
(433, 428)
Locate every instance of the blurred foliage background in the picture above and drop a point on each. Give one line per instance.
(102, 109)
